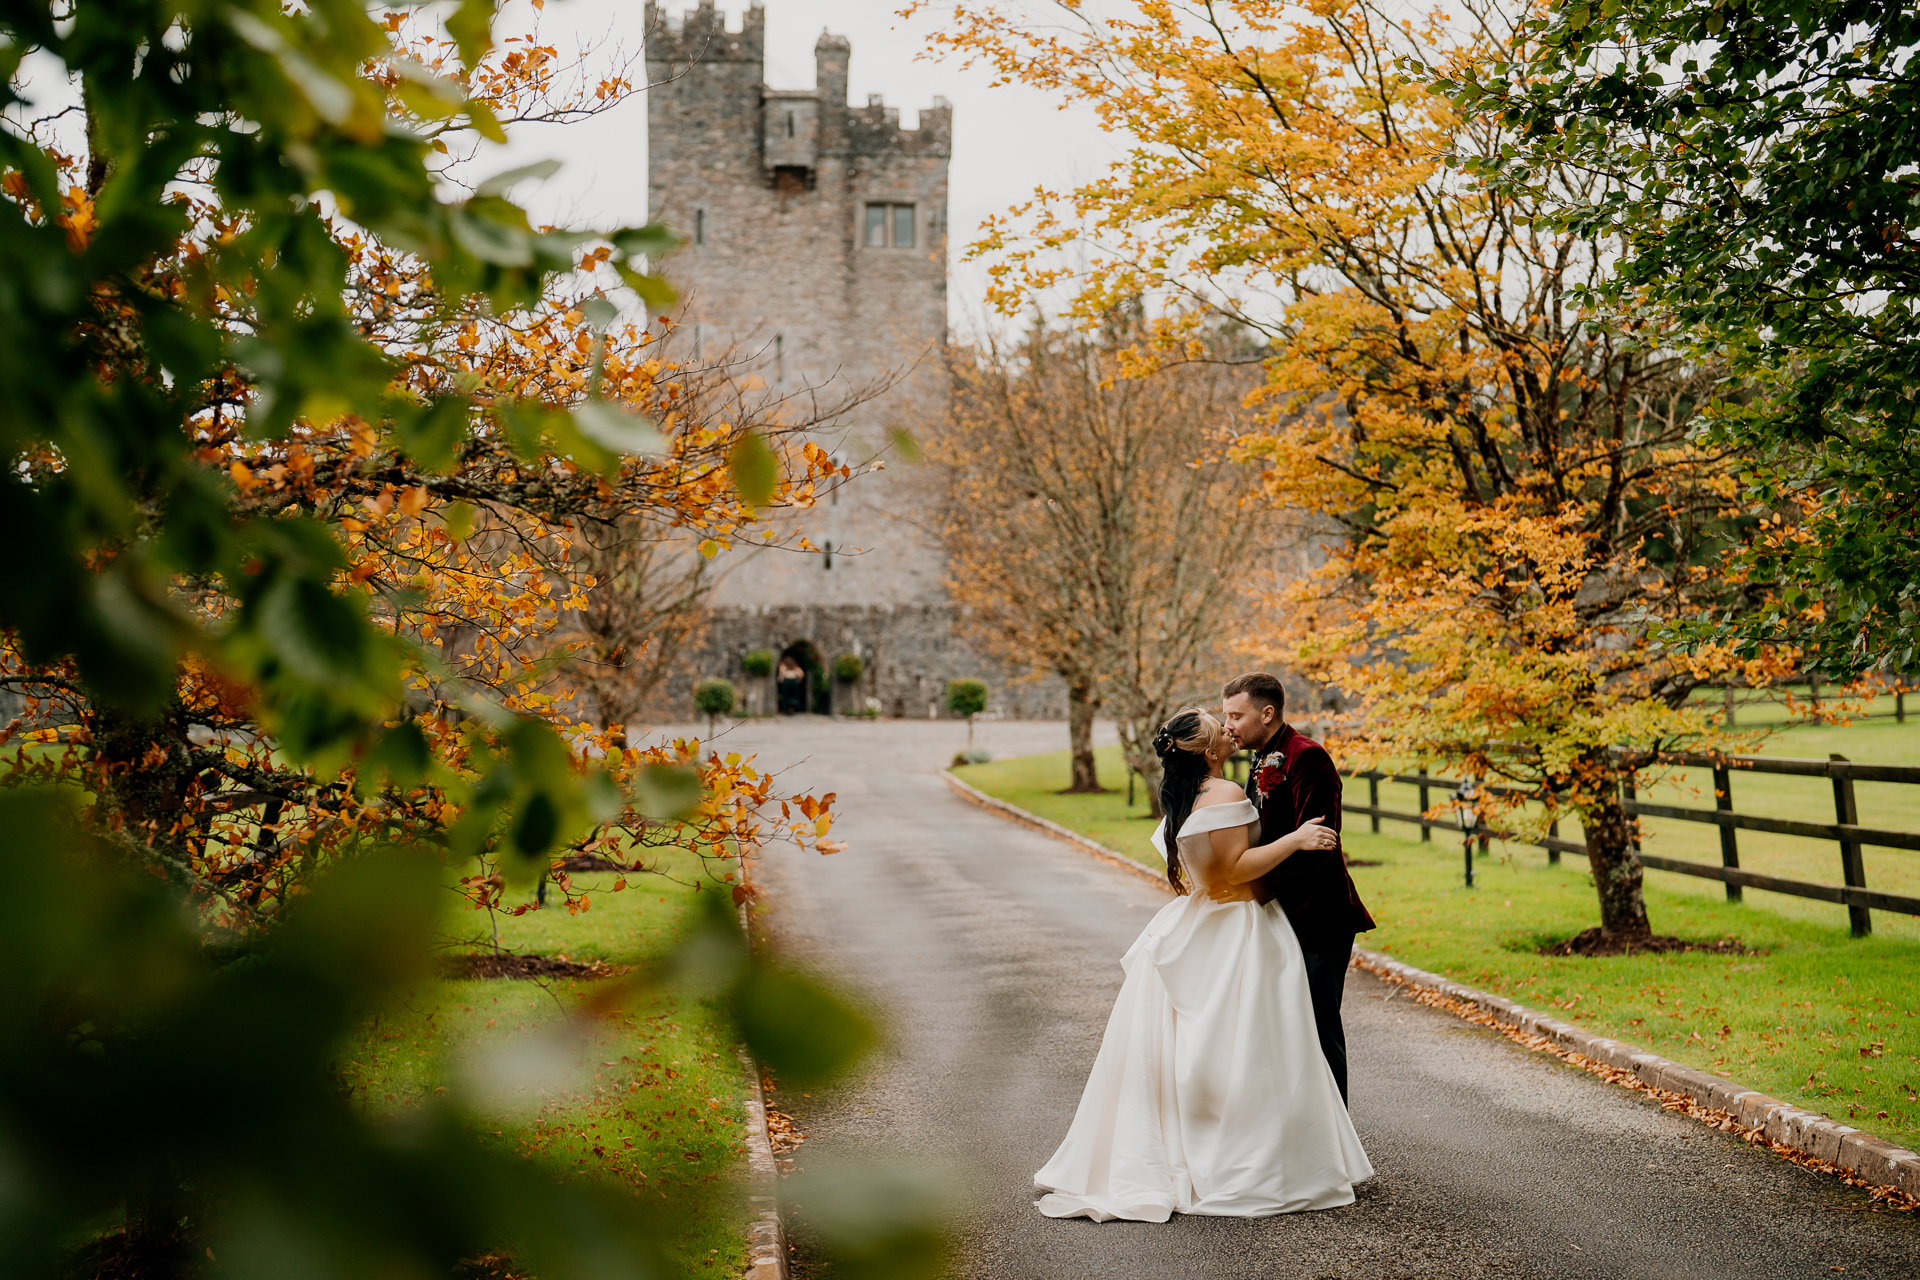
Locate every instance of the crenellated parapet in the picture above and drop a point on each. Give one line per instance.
(874, 130)
(701, 35)
(814, 272)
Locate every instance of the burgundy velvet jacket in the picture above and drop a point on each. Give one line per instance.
(1313, 886)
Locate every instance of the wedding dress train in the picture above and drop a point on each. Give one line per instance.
(1210, 1094)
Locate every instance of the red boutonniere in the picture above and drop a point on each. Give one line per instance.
(1269, 771)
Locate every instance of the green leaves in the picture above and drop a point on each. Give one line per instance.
(756, 472)
(529, 793)
(667, 791)
(124, 1031)
(807, 1034)
(1760, 194)
(618, 430)
(471, 26)
(169, 366)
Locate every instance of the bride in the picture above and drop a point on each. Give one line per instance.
(1210, 1094)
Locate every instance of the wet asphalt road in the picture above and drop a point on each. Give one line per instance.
(992, 953)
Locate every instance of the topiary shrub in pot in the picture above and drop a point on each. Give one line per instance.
(847, 668)
(967, 698)
(713, 699)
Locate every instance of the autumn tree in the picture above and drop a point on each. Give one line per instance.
(1517, 492)
(1760, 161)
(299, 436)
(515, 429)
(1093, 524)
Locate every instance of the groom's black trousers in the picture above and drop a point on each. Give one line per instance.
(1326, 980)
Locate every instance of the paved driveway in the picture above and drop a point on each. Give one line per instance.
(993, 954)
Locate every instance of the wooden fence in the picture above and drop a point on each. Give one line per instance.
(1845, 829)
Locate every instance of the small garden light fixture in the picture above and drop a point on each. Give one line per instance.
(1467, 813)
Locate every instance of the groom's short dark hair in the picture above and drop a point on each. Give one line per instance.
(1261, 685)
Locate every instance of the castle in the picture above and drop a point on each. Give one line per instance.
(816, 260)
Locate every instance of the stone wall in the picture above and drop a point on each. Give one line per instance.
(909, 652)
(815, 267)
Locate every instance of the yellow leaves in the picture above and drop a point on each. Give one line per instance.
(78, 218)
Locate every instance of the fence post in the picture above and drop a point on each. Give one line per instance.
(1899, 706)
(1729, 697)
(1373, 798)
(1553, 833)
(1426, 832)
(1853, 866)
(1729, 844)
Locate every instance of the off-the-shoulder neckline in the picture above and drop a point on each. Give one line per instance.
(1238, 795)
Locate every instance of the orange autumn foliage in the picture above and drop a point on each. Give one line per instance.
(461, 550)
(1511, 498)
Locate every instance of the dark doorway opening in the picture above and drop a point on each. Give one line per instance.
(809, 687)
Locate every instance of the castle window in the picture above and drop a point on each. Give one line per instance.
(826, 561)
(789, 124)
(889, 226)
(779, 357)
(699, 226)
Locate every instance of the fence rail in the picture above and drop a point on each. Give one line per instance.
(1845, 830)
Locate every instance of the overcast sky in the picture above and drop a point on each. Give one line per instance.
(1005, 140)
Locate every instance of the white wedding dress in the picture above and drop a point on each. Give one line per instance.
(1210, 1094)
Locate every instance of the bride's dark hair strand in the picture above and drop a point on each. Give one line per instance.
(1181, 745)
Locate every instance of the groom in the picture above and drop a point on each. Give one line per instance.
(1292, 781)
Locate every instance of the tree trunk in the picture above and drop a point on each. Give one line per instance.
(1617, 873)
(1137, 747)
(1081, 704)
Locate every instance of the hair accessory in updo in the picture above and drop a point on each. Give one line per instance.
(1182, 745)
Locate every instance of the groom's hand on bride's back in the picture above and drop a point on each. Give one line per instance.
(1231, 893)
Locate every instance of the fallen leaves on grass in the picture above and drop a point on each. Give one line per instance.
(1668, 1100)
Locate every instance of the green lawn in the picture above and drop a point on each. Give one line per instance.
(1881, 804)
(1816, 1017)
(656, 1104)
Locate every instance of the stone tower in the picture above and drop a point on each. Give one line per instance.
(815, 260)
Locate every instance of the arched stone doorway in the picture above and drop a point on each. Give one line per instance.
(795, 696)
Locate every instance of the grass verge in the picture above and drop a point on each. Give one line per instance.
(1828, 1022)
(655, 1104)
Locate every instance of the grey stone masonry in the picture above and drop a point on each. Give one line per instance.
(815, 265)
(907, 652)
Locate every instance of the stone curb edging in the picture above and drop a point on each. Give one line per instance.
(1870, 1159)
(976, 796)
(766, 1233)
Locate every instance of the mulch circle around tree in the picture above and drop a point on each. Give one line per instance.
(1595, 942)
(487, 964)
(591, 862)
(116, 1255)
(489, 1266)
